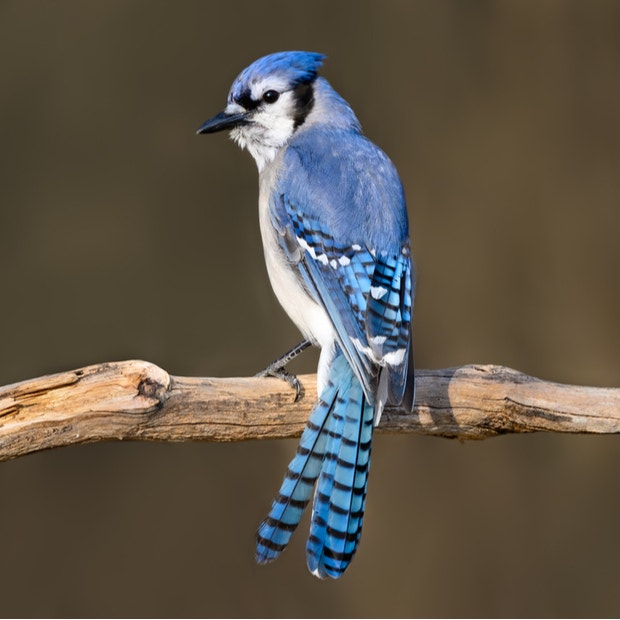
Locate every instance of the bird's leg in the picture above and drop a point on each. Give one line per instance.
(276, 368)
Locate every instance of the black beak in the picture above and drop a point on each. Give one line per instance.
(223, 121)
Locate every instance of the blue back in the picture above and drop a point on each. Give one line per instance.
(347, 183)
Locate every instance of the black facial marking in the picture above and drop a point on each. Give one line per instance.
(245, 100)
(304, 101)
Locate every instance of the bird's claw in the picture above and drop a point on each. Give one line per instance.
(279, 373)
(276, 369)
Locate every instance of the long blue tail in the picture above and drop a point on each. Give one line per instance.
(335, 449)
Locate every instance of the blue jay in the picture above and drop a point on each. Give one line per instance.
(335, 234)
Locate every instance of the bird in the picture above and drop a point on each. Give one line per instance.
(335, 232)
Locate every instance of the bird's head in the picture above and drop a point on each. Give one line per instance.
(268, 102)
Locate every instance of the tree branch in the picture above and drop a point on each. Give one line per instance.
(138, 400)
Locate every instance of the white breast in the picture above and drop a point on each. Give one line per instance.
(307, 314)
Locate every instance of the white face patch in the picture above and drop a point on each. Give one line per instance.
(271, 125)
(234, 108)
(260, 87)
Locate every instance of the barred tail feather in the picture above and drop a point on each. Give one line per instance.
(335, 449)
(324, 488)
(341, 491)
(344, 546)
(276, 530)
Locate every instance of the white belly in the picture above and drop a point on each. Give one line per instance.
(307, 314)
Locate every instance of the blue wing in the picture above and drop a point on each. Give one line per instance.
(342, 221)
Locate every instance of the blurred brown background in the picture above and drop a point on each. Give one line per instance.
(124, 235)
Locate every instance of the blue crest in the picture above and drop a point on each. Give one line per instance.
(293, 67)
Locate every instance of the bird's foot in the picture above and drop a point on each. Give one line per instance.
(276, 368)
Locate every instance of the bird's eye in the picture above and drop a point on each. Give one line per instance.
(271, 96)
